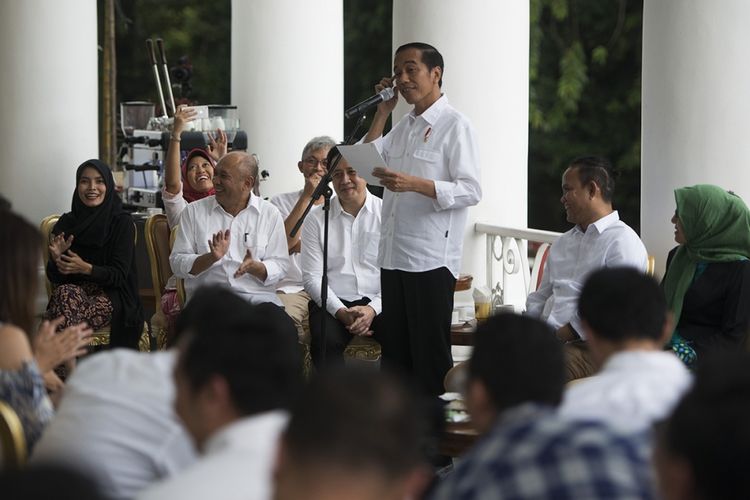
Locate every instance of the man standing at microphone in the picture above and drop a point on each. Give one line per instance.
(431, 178)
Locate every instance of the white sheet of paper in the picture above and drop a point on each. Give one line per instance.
(363, 158)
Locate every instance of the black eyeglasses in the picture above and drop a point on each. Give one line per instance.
(314, 162)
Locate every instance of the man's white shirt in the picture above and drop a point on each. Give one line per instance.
(633, 390)
(237, 463)
(353, 270)
(116, 420)
(608, 242)
(421, 234)
(258, 228)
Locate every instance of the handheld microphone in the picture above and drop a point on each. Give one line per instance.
(384, 95)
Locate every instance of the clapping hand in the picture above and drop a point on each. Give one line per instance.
(71, 263)
(59, 245)
(217, 145)
(52, 348)
(250, 266)
(219, 244)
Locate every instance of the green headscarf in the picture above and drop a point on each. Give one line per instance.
(716, 224)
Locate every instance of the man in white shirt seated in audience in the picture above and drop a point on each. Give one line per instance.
(599, 239)
(354, 303)
(624, 315)
(116, 422)
(292, 205)
(233, 239)
(237, 373)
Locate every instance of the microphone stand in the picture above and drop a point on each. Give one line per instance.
(324, 190)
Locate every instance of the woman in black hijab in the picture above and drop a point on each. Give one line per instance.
(92, 260)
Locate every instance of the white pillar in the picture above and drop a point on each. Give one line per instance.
(485, 45)
(288, 80)
(48, 101)
(695, 107)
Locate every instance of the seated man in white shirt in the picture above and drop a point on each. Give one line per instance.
(624, 315)
(292, 205)
(354, 301)
(116, 422)
(237, 374)
(233, 239)
(599, 239)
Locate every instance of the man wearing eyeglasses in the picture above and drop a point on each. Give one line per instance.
(353, 302)
(312, 165)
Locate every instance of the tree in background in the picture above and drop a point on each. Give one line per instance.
(368, 54)
(195, 30)
(585, 98)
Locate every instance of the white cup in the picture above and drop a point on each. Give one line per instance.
(153, 211)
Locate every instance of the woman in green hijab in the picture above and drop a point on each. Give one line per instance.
(707, 282)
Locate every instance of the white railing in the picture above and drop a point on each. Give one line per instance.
(507, 248)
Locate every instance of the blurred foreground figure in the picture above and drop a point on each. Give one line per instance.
(704, 447)
(529, 451)
(355, 435)
(237, 373)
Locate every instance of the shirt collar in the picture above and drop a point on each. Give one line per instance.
(337, 209)
(432, 113)
(604, 223)
(253, 202)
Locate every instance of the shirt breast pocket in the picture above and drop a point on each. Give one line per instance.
(425, 161)
(369, 245)
(257, 244)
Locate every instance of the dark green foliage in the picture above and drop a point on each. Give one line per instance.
(585, 98)
(197, 29)
(367, 51)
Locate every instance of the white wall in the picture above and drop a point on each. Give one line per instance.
(485, 45)
(695, 107)
(48, 101)
(288, 80)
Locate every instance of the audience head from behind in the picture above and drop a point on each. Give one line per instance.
(355, 435)
(588, 185)
(516, 360)
(235, 360)
(20, 257)
(623, 309)
(703, 448)
(45, 481)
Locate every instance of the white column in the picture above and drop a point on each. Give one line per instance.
(48, 101)
(485, 45)
(288, 80)
(695, 107)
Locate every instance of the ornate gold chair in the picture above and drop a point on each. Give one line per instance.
(158, 245)
(12, 439)
(101, 336)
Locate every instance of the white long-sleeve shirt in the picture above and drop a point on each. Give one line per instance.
(608, 242)
(633, 390)
(258, 228)
(419, 233)
(353, 271)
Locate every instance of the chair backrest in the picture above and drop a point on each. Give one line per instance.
(46, 226)
(651, 265)
(537, 272)
(180, 281)
(158, 245)
(12, 440)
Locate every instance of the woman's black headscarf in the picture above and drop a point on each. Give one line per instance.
(91, 225)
